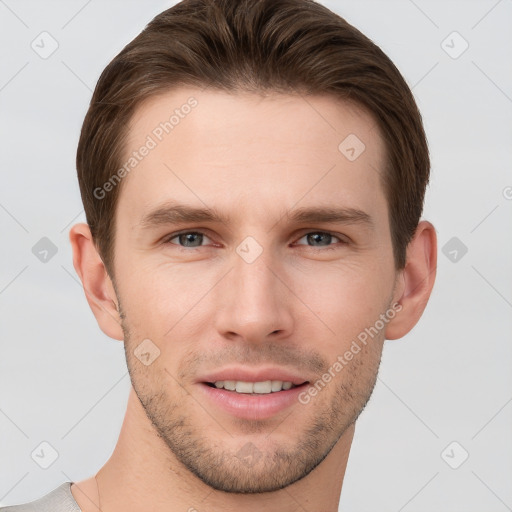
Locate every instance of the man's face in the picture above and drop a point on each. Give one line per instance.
(291, 298)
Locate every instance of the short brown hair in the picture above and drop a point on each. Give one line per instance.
(286, 46)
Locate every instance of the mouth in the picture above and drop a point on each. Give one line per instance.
(254, 388)
(252, 401)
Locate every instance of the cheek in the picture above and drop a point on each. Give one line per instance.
(344, 301)
(159, 300)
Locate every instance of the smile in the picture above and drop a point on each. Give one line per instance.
(252, 400)
(262, 387)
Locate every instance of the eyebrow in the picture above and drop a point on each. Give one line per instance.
(342, 215)
(175, 213)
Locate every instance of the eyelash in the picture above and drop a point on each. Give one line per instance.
(168, 239)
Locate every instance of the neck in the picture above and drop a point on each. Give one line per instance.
(142, 469)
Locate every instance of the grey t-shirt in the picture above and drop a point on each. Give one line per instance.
(59, 500)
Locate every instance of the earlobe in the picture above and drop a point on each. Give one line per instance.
(98, 287)
(415, 281)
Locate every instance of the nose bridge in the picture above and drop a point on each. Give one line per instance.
(255, 302)
(255, 275)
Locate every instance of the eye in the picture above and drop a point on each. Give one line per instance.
(315, 239)
(322, 238)
(187, 239)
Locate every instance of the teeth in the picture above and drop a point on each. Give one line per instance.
(277, 385)
(244, 387)
(263, 387)
(229, 384)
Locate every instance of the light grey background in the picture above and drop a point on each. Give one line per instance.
(64, 382)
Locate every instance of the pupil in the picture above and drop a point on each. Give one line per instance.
(316, 237)
(189, 237)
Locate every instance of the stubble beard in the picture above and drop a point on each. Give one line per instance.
(260, 465)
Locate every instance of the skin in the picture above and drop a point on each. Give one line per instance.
(298, 305)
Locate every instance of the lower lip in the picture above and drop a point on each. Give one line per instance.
(252, 406)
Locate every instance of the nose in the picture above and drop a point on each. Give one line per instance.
(255, 301)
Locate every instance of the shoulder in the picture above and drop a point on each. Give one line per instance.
(59, 500)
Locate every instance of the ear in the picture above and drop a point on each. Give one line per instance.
(415, 281)
(98, 287)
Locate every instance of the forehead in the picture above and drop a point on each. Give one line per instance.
(253, 152)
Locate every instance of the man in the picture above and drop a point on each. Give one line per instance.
(253, 176)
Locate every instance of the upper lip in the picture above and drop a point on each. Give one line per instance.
(253, 375)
